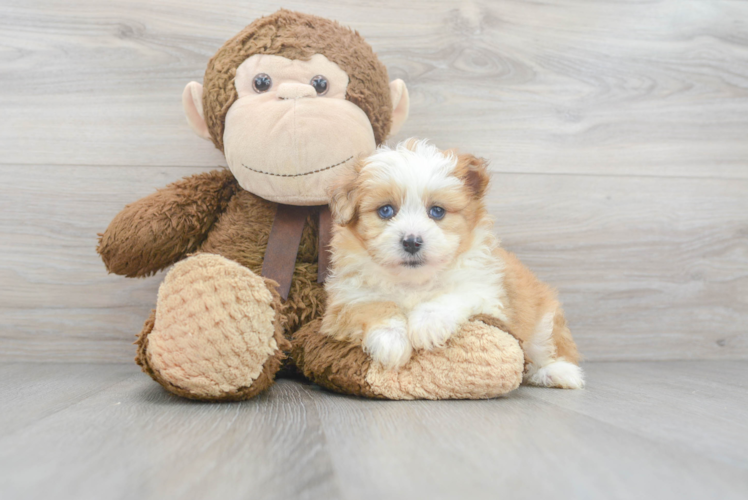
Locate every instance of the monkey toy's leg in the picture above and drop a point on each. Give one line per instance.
(215, 334)
(482, 360)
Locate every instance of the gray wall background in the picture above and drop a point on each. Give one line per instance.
(617, 133)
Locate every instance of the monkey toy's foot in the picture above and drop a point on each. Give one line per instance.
(480, 361)
(215, 334)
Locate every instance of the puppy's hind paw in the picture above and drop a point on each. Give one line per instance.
(560, 374)
(389, 344)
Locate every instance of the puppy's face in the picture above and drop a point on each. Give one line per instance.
(413, 208)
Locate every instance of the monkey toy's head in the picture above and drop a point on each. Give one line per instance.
(292, 99)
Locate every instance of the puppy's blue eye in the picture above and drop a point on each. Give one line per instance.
(386, 212)
(437, 213)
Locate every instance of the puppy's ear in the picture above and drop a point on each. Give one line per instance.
(474, 173)
(342, 192)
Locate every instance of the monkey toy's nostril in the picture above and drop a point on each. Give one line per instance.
(412, 244)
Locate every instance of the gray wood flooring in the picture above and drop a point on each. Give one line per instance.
(617, 133)
(641, 430)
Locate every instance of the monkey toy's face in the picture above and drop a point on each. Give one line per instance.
(291, 128)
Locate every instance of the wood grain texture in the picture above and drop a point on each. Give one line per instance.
(646, 270)
(132, 440)
(694, 407)
(33, 392)
(617, 134)
(649, 88)
(638, 431)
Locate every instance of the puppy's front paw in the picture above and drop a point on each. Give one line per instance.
(430, 325)
(389, 344)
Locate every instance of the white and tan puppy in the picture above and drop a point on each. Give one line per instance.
(413, 258)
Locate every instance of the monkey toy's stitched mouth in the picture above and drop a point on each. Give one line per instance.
(302, 174)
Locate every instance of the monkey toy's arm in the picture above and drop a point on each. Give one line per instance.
(160, 229)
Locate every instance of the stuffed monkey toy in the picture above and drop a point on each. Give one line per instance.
(290, 100)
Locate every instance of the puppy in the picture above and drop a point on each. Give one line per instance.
(413, 258)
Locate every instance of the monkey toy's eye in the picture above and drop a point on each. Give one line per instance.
(262, 83)
(320, 84)
(437, 213)
(386, 212)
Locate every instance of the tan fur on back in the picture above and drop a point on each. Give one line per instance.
(527, 300)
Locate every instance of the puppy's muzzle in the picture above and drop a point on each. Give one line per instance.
(412, 244)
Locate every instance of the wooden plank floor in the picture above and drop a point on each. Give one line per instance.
(617, 133)
(659, 430)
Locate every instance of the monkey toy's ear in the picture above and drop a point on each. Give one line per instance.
(400, 104)
(192, 101)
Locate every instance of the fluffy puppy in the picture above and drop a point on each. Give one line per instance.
(414, 257)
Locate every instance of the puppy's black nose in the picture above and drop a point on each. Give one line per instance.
(412, 244)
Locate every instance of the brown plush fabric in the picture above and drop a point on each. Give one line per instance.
(501, 325)
(481, 361)
(141, 342)
(478, 362)
(241, 234)
(338, 366)
(160, 229)
(266, 375)
(299, 36)
(210, 213)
